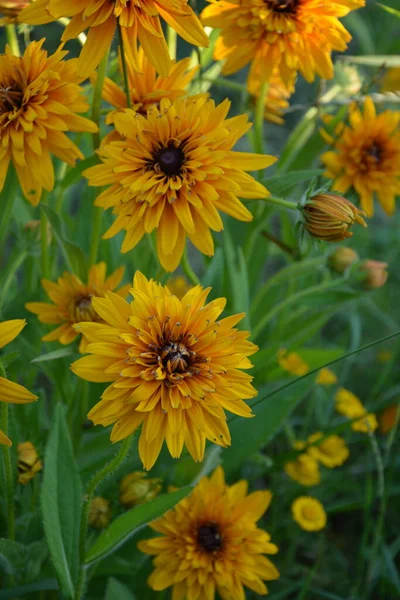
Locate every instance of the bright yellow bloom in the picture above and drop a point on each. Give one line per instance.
(178, 286)
(309, 513)
(173, 171)
(10, 391)
(39, 99)
(292, 362)
(99, 513)
(72, 302)
(146, 88)
(367, 157)
(304, 470)
(136, 488)
(211, 544)
(326, 377)
(331, 452)
(388, 417)
(174, 367)
(138, 21)
(294, 35)
(367, 423)
(347, 404)
(29, 462)
(277, 96)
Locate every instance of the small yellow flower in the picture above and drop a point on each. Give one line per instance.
(136, 488)
(210, 543)
(375, 273)
(72, 302)
(329, 217)
(304, 470)
(326, 377)
(292, 362)
(387, 418)
(309, 513)
(367, 423)
(347, 404)
(179, 286)
(9, 391)
(331, 452)
(29, 462)
(341, 259)
(99, 513)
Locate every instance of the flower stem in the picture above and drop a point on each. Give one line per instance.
(382, 503)
(12, 39)
(190, 274)
(7, 467)
(108, 469)
(124, 67)
(96, 229)
(171, 42)
(12, 267)
(44, 241)
(9, 197)
(259, 119)
(281, 202)
(96, 102)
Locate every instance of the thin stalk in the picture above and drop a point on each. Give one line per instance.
(104, 472)
(191, 275)
(258, 142)
(13, 267)
(378, 529)
(96, 230)
(45, 263)
(392, 436)
(281, 202)
(7, 467)
(288, 249)
(96, 102)
(124, 67)
(225, 83)
(12, 39)
(9, 194)
(171, 42)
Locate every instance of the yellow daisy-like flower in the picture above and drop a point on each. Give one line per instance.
(367, 423)
(331, 452)
(72, 302)
(146, 87)
(292, 362)
(174, 368)
(304, 470)
(29, 462)
(293, 35)
(210, 543)
(173, 171)
(326, 377)
(39, 99)
(347, 404)
(137, 488)
(277, 96)
(309, 513)
(9, 391)
(367, 157)
(138, 22)
(99, 513)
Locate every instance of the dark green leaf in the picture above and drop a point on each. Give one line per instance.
(279, 184)
(132, 521)
(21, 591)
(117, 591)
(61, 500)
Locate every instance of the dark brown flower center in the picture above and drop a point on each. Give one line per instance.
(175, 357)
(83, 310)
(375, 152)
(209, 537)
(10, 98)
(282, 6)
(170, 160)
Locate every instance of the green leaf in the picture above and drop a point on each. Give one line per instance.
(249, 435)
(131, 522)
(117, 591)
(61, 353)
(13, 558)
(297, 139)
(279, 184)
(21, 591)
(75, 174)
(61, 501)
(374, 60)
(390, 10)
(73, 255)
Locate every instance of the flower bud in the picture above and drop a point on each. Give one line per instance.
(329, 217)
(99, 513)
(375, 274)
(29, 462)
(136, 488)
(11, 8)
(341, 259)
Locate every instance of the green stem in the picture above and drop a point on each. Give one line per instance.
(191, 275)
(96, 102)
(12, 267)
(7, 467)
(281, 202)
(96, 230)
(171, 42)
(9, 195)
(392, 436)
(44, 241)
(124, 67)
(225, 83)
(104, 472)
(294, 299)
(259, 119)
(382, 504)
(12, 39)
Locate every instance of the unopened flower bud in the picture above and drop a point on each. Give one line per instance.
(29, 462)
(99, 513)
(329, 217)
(341, 259)
(137, 488)
(376, 274)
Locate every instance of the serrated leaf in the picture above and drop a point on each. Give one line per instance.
(117, 591)
(60, 353)
(61, 501)
(125, 526)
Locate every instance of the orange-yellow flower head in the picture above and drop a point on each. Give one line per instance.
(375, 273)
(366, 157)
(174, 368)
(309, 513)
(39, 99)
(277, 96)
(173, 170)
(139, 21)
(210, 543)
(329, 217)
(293, 35)
(72, 302)
(10, 391)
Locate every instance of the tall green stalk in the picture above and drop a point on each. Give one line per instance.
(8, 474)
